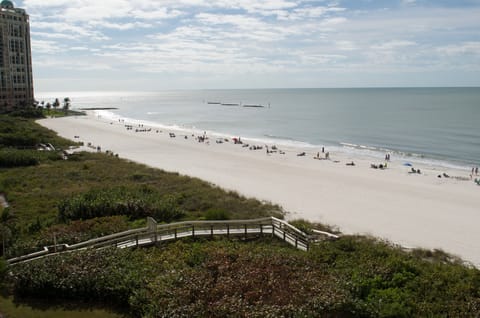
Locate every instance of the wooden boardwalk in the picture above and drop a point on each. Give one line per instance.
(155, 234)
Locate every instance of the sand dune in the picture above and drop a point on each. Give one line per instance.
(413, 210)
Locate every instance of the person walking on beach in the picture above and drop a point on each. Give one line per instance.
(476, 171)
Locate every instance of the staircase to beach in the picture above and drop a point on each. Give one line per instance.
(154, 234)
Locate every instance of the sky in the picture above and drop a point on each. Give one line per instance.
(149, 45)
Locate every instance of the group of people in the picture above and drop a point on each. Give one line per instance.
(326, 154)
(474, 172)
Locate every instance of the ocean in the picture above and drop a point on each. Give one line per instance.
(435, 126)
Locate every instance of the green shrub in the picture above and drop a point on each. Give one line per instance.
(20, 139)
(17, 158)
(22, 158)
(135, 202)
(19, 132)
(263, 278)
(108, 276)
(29, 112)
(214, 214)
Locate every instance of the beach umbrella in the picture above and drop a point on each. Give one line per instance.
(408, 164)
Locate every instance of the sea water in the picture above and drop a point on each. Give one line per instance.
(438, 126)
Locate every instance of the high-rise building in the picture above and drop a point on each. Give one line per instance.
(16, 80)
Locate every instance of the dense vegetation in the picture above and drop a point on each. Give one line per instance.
(18, 132)
(90, 195)
(21, 158)
(351, 277)
(136, 203)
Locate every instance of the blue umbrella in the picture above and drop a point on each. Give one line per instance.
(408, 164)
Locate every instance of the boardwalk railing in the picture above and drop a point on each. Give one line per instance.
(153, 234)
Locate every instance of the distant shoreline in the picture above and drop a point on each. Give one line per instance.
(98, 108)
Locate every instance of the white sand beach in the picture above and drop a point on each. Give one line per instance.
(413, 210)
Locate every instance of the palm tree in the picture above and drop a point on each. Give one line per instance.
(56, 103)
(66, 104)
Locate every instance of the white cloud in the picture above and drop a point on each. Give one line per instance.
(461, 49)
(49, 3)
(120, 26)
(50, 35)
(345, 45)
(44, 46)
(72, 65)
(156, 14)
(73, 31)
(392, 45)
(79, 48)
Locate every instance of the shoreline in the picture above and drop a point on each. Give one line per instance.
(346, 149)
(413, 210)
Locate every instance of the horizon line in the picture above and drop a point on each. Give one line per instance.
(246, 88)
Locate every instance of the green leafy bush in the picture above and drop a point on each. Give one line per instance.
(21, 158)
(262, 278)
(19, 140)
(29, 112)
(19, 132)
(135, 202)
(108, 276)
(214, 214)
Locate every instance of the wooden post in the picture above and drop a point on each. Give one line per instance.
(228, 230)
(245, 231)
(151, 224)
(284, 235)
(211, 231)
(296, 242)
(193, 231)
(261, 229)
(175, 233)
(136, 240)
